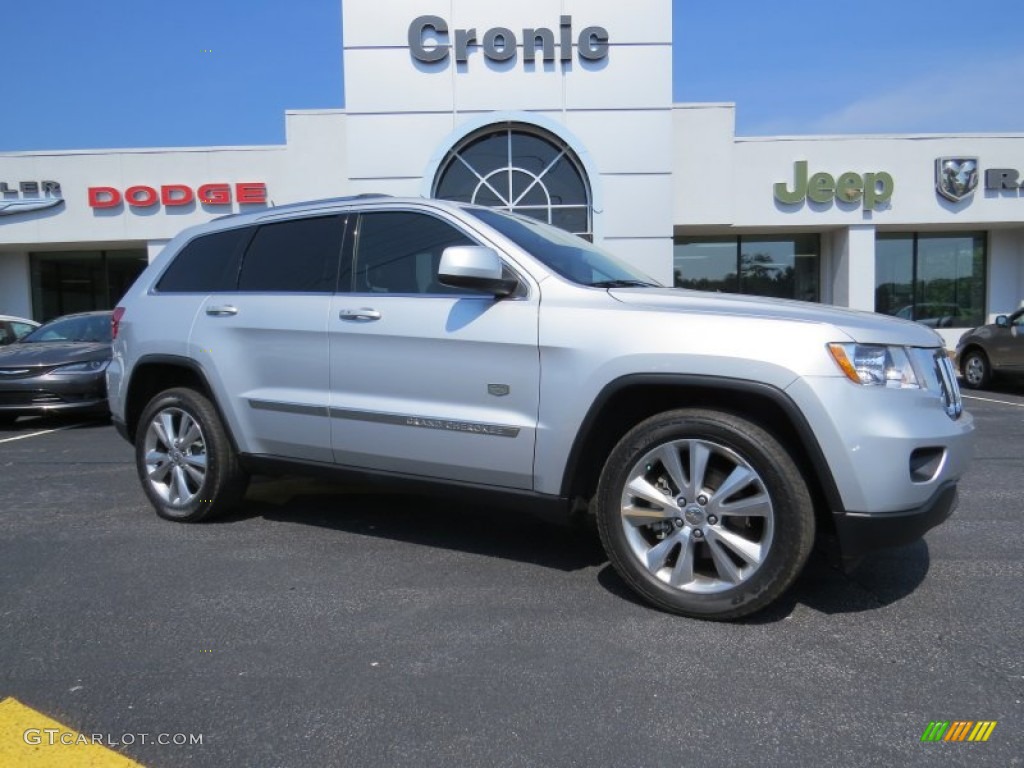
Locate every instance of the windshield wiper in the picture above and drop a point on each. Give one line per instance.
(624, 284)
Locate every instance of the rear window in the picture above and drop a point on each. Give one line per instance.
(297, 256)
(207, 264)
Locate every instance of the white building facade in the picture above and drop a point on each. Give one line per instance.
(561, 110)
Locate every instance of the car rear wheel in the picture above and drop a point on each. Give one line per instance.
(704, 514)
(185, 460)
(977, 370)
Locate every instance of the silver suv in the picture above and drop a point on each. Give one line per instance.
(715, 437)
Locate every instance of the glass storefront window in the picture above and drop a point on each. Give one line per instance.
(706, 264)
(935, 279)
(783, 266)
(80, 281)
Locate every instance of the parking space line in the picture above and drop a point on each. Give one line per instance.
(31, 739)
(986, 400)
(37, 434)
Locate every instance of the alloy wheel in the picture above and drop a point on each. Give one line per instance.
(175, 456)
(697, 516)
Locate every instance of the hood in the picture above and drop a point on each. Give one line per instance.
(47, 354)
(862, 327)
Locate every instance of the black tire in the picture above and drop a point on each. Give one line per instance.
(976, 370)
(779, 535)
(7, 419)
(199, 476)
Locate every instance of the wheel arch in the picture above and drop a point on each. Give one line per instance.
(625, 402)
(972, 347)
(155, 373)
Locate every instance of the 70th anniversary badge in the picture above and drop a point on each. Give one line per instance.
(959, 730)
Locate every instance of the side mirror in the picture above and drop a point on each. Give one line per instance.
(1002, 321)
(474, 267)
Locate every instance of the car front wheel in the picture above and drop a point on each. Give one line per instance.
(704, 514)
(185, 460)
(977, 370)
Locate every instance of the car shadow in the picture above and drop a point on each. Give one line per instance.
(55, 421)
(421, 520)
(882, 578)
(1004, 385)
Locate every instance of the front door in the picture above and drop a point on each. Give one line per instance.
(425, 379)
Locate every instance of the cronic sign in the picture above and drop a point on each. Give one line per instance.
(431, 42)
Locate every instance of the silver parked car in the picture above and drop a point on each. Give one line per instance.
(992, 349)
(13, 328)
(438, 345)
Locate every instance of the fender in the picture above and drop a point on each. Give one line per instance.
(131, 412)
(687, 381)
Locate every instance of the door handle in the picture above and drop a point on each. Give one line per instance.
(224, 311)
(363, 314)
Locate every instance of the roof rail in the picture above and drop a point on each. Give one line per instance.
(328, 200)
(308, 203)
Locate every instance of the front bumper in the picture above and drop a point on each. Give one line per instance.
(859, 533)
(53, 393)
(888, 451)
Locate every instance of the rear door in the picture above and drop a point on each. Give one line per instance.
(264, 345)
(425, 379)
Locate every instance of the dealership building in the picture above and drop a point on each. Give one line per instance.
(561, 110)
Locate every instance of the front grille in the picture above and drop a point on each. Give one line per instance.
(951, 398)
(26, 398)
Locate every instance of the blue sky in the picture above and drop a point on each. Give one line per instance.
(141, 73)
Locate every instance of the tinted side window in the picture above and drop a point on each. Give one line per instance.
(207, 264)
(299, 256)
(400, 253)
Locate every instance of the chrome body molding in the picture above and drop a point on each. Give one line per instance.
(425, 422)
(305, 410)
(375, 417)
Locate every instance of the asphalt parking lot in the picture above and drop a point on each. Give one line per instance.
(333, 626)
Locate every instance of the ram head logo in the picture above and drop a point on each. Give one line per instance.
(956, 177)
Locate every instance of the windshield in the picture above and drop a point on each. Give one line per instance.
(83, 328)
(568, 255)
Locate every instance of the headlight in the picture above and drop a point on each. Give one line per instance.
(92, 366)
(875, 365)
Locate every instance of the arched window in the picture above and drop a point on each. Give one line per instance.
(519, 168)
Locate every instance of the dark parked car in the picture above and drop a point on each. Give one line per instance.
(58, 367)
(939, 315)
(13, 328)
(990, 349)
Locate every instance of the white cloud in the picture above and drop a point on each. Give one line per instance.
(982, 97)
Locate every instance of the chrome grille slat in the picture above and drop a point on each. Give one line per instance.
(951, 397)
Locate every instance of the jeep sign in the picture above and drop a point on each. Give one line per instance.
(430, 42)
(871, 188)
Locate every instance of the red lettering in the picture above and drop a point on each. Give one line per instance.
(104, 197)
(251, 193)
(215, 194)
(176, 194)
(140, 196)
